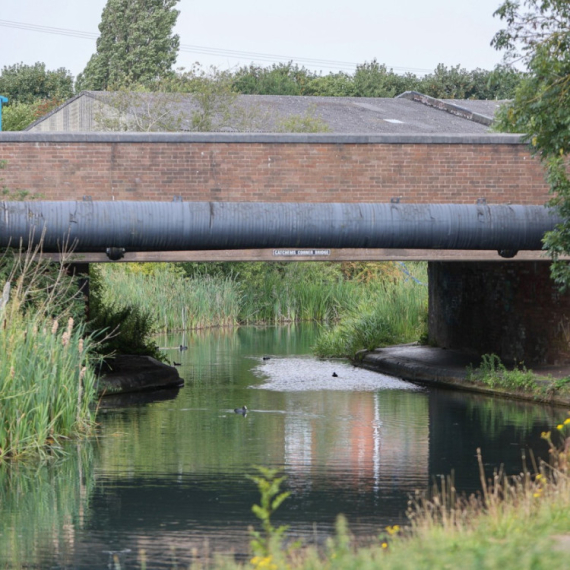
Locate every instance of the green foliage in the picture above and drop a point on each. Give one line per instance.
(263, 544)
(391, 313)
(41, 286)
(28, 84)
(17, 116)
(278, 79)
(47, 383)
(307, 123)
(120, 327)
(136, 45)
(228, 294)
(375, 80)
(175, 302)
(538, 33)
(495, 374)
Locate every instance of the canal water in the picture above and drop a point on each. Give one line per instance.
(166, 477)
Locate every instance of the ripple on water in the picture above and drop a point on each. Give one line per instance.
(308, 374)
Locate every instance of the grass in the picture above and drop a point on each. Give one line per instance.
(493, 373)
(176, 303)
(392, 313)
(253, 293)
(47, 384)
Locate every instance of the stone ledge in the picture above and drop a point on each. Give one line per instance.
(135, 373)
(431, 366)
(259, 138)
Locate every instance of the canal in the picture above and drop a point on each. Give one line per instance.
(166, 476)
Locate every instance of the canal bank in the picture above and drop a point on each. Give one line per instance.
(432, 366)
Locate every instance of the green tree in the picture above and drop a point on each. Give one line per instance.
(376, 80)
(17, 116)
(136, 45)
(27, 84)
(278, 79)
(537, 33)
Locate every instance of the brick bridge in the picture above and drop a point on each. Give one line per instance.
(478, 300)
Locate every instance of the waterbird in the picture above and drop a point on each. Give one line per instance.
(176, 363)
(266, 358)
(182, 347)
(335, 375)
(242, 411)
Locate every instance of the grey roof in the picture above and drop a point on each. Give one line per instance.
(408, 113)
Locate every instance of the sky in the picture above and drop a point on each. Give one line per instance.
(322, 35)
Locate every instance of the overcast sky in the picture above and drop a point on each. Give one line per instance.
(406, 35)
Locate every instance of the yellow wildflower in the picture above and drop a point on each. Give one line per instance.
(384, 545)
(559, 427)
(393, 529)
(567, 421)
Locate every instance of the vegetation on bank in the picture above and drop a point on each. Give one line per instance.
(47, 382)
(193, 296)
(392, 312)
(493, 373)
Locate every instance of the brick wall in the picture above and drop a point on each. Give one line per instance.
(272, 168)
(509, 309)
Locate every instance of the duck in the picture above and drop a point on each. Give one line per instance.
(182, 347)
(242, 411)
(266, 357)
(335, 375)
(176, 363)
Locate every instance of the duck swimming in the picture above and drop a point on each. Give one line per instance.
(242, 411)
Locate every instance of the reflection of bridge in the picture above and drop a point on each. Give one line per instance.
(465, 196)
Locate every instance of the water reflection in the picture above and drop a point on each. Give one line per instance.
(167, 475)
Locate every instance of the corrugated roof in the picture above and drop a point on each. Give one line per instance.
(406, 114)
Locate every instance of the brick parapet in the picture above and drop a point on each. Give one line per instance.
(273, 168)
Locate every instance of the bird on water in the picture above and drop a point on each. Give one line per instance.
(335, 375)
(242, 411)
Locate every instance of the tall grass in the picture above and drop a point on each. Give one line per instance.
(175, 302)
(46, 381)
(392, 313)
(289, 298)
(268, 296)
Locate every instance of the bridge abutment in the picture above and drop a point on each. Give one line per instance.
(511, 309)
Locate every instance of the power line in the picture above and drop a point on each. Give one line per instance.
(203, 50)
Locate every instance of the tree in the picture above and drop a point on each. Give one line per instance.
(375, 80)
(28, 84)
(136, 45)
(537, 33)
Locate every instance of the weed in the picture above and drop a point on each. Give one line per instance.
(265, 544)
(492, 372)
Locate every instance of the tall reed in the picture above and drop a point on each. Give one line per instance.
(46, 382)
(393, 312)
(176, 303)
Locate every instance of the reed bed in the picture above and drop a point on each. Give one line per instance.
(279, 300)
(176, 303)
(46, 383)
(391, 313)
(181, 303)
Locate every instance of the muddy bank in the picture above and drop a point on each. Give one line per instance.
(449, 368)
(126, 373)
